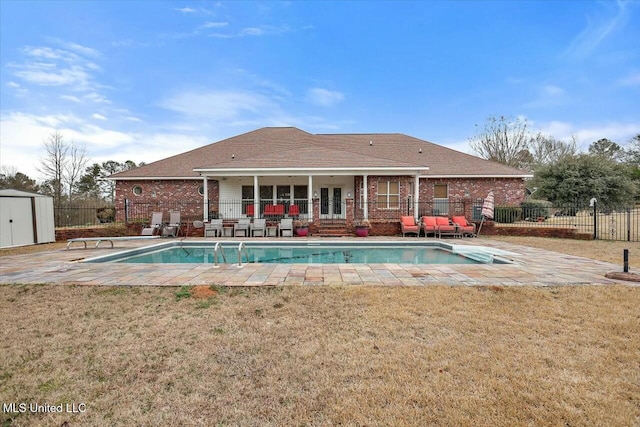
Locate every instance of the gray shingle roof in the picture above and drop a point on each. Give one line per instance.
(287, 147)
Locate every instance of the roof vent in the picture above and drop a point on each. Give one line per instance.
(233, 156)
(370, 142)
(420, 150)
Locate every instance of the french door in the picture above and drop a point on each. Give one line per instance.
(331, 204)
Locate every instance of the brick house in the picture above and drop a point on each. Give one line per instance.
(321, 178)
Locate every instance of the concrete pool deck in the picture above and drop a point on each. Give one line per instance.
(531, 266)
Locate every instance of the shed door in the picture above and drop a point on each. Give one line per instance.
(16, 219)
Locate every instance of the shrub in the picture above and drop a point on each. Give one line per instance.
(506, 214)
(533, 209)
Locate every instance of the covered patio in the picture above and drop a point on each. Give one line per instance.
(312, 194)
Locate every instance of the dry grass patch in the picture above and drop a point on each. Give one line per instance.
(32, 249)
(603, 250)
(324, 356)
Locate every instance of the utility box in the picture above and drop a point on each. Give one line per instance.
(25, 219)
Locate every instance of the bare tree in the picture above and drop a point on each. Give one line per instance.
(52, 166)
(74, 167)
(547, 150)
(504, 141)
(62, 166)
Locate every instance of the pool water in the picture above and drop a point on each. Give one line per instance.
(325, 253)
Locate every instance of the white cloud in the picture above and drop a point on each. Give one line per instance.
(23, 134)
(75, 47)
(71, 98)
(597, 29)
(210, 24)
(548, 95)
(98, 116)
(551, 90)
(585, 135)
(44, 74)
(263, 30)
(96, 97)
(186, 10)
(64, 66)
(324, 97)
(219, 105)
(632, 79)
(252, 31)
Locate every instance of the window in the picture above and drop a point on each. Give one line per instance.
(440, 199)
(247, 192)
(266, 193)
(388, 195)
(300, 195)
(284, 193)
(201, 190)
(247, 199)
(300, 192)
(137, 190)
(440, 191)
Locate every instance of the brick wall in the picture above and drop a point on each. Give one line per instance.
(489, 229)
(62, 234)
(135, 229)
(385, 228)
(372, 191)
(507, 191)
(164, 193)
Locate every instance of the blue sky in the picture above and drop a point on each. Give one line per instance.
(144, 80)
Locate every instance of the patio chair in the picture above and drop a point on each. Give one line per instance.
(154, 226)
(173, 228)
(213, 228)
(274, 211)
(445, 227)
(408, 226)
(258, 225)
(294, 211)
(250, 210)
(464, 227)
(285, 227)
(241, 225)
(429, 226)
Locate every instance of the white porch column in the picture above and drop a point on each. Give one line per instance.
(416, 197)
(365, 196)
(256, 195)
(310, 199)
(205, 204)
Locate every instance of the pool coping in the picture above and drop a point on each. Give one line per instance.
(531, 266)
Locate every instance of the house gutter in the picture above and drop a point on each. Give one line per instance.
(312, 171)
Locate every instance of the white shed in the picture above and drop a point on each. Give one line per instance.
(25, 219)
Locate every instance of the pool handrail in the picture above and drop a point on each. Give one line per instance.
(242, 246)
(216, 248)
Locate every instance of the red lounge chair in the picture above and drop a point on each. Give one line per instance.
(429, 225)
(464, 227)
(274, 211)
(250, 210)
(445, 227)
(294, 211)
(408, 225)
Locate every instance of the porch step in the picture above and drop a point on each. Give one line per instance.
(333, 230)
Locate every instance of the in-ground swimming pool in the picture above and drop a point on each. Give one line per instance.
(291, 252)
